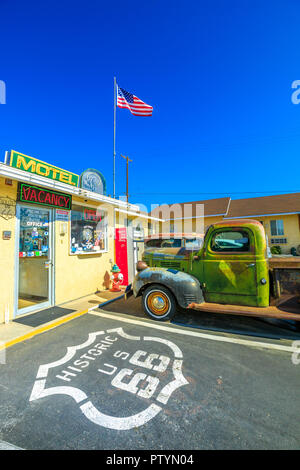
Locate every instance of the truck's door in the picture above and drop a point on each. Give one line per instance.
(229, 265)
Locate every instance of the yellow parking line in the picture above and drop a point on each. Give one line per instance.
(37, 331)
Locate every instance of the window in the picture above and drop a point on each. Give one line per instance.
(138, 231)
(88, 230)
(193, 243)
(278, 241)
(230, 241)
(34, 232)
(153, 243)
(128, 222)
(276, 227)
(172, 243)
(164, 243)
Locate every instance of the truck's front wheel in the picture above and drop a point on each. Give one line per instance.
(159, 303)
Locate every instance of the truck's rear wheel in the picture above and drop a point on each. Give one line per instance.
(159, 303)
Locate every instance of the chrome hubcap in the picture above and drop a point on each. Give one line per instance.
(158, 302)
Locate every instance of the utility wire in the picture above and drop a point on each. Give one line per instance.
(279, 192)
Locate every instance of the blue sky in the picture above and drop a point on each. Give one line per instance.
(218, 75)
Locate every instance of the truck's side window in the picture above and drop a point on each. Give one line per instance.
(230, 241)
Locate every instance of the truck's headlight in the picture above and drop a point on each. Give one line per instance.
(141, 265)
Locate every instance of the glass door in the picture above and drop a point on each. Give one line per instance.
(35, 259)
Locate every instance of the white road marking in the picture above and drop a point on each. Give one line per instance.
(136, 384)
(179, 381)
(71, 351)
(123, 334)
(176, 350)
(121, 424)
(225, 339)
(39, 391)
(7, 446)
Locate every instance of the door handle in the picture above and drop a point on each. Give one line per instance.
(250, 265)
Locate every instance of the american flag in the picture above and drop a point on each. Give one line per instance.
(136, 106)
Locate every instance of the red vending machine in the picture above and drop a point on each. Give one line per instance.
(121, 252)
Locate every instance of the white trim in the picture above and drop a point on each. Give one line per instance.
(262, 215)
(195, 217)
(51, 257)
(137, 214)
(86, 253)
(228, 206)
(20, 175)
(84, 204)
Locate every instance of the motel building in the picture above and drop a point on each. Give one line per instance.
(60, 235)
(279, 214)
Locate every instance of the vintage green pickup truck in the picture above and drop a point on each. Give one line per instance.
(231, 273)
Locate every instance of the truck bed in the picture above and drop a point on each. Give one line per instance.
(284, 262)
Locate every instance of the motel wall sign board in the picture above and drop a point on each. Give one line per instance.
(32, 165)
(45, 197)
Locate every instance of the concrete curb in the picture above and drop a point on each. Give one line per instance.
(111, 300)
(42, 329)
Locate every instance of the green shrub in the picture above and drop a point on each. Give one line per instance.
(275, 250)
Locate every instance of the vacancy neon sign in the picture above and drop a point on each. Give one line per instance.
(45, 197)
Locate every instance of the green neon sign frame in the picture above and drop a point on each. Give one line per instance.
(48, 191)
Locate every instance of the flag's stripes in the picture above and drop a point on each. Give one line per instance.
(136, 106)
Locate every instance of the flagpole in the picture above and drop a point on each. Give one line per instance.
(114, 172)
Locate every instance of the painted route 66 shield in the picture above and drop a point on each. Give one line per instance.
(7, 207)
(117, 380)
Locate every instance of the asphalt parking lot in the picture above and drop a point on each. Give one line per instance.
(232, 324)
(113, 381)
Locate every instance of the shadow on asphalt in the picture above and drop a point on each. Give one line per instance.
(261, 327)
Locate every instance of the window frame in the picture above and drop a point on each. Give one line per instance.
(88, 253)
(277, 234)
(233, 252)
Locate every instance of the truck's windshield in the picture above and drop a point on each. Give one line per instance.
(164, 243)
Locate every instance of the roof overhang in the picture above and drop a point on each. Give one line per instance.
(262, 215)
(20, 175)
(196, 217)
(138, 214)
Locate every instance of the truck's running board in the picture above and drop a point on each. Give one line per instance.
(268, 312)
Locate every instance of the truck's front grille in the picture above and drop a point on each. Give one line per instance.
(189, 298)
(170, 264)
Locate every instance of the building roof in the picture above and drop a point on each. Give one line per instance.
(212, 207)
(168, 235)
(265, 205)
(231, 208)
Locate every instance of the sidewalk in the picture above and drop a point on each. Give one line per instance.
(14, 332)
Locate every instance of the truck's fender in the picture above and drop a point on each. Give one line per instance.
(183, 286)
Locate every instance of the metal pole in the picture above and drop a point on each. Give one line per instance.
(114, 172)
(127, 180)
(127, 160)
